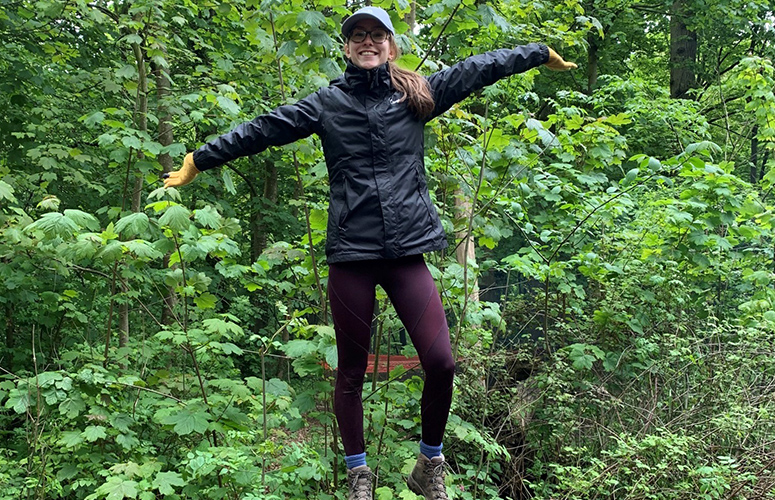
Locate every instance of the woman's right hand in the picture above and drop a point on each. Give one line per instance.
(181, 177)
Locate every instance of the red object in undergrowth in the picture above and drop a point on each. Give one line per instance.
(409, 363)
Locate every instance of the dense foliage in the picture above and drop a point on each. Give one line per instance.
(615, 331)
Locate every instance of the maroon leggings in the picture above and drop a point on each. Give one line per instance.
(410, 287)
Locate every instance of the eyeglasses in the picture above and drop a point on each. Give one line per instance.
(378, 35)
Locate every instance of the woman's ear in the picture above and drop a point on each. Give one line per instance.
(347, 50)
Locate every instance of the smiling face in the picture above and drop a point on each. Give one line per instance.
(367, 54)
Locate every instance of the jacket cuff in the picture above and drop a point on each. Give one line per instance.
(544, 53)
(203, 160)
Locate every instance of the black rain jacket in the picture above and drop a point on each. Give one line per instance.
(379, 205)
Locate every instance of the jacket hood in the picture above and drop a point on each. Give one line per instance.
(355, 78)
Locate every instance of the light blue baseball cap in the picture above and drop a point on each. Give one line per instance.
(367, 12)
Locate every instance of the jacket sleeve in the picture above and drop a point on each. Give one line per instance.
(454, 84)
(283, 125)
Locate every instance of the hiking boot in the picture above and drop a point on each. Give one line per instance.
(359, 483)
(427, 478)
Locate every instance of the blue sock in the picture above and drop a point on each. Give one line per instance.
(430, 451)
(354, 461)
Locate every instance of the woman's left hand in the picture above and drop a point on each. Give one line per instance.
(557, 63)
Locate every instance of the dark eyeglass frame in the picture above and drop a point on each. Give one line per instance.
(370, 34)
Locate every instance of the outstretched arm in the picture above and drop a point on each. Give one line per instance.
(284, 125)
(454, 84)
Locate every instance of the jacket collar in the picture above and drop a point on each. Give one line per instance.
(359, 79)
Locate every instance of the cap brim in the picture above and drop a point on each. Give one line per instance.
(351, 21)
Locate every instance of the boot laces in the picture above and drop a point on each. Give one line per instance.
(436, 473)
(360, 484)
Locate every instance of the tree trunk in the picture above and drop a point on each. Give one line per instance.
(593, 61)
(411, 17)
(268, 201)
(259, 228)
(9, 332)
(140, 119)
(123, 322)
(683, 51)
(466, 248)
(166, 138)
(141, 123)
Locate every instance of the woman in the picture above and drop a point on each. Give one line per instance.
(380, 220)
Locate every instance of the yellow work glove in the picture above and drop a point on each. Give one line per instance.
(183, 176)
(557, 63)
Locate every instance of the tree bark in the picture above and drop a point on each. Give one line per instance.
(259, 227)
(593, 61)
(166, 137)
(140, 119)
(753, 174)
(683, 51)
(141, 123)
(9, 332)
(411, 17)
(466, 249)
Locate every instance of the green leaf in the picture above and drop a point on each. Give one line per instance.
(311, 18)
(185, 422)
(93, 119)
(143, 250)
(132, 142)
(208, 217)
(83, 219)
(106, 139)
(206, 301)
(298, 348)
(68, 471)
(320, 38)
(127, 441)
(620, 119)
(71, 439)
(128, 72)
(631, 176)
(111, 252)
(54, 224)
(19, 401)
(132, 224)
(176, 217)
(228, 182)
(165, 481)
(94, 432)
(318, 219)
(229, 348)
(117, 488)
(703, 147)
(72, 407)
(133, 38)
(408, 495)
(384, 493)
(6, 192)
(547, 138)
(278, 387)
(228, 105)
